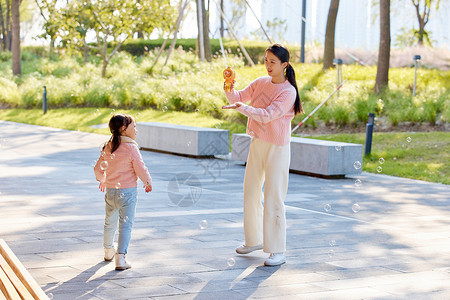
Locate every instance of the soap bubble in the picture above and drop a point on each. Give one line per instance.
(113, 156)
(381, 160)
(218, 125)
(50, 296)
(188, 143)
(203, 224)
(122, 195)
(358, 182)
(197, 110)
(408, 139)
(164, 108)
(332, 243)
(103, 154)
(125, 219)
(379, 169)
(101, 146)
(103, 165)
(357, 165)
(337, 148)
(327, 207)
(94, 162)
(356, 208)
(118, 185)
(331, 253)
(231, 262)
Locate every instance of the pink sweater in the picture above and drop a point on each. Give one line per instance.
(124, 166)
(271, 109)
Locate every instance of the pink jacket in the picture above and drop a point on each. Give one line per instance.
(271, 109)
(124, 166)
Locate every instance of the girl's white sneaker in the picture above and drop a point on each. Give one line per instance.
(109, 254)
(275, 259)
(121, 262)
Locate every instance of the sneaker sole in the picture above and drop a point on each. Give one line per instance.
(109, 259)
(122, 268)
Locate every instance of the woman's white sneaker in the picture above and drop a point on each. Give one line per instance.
(246, 250)
(275, 259)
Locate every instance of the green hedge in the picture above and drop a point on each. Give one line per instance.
(254, 49)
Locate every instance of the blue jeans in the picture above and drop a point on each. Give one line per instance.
(120, 205)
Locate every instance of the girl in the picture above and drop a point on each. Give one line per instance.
(118, 168)
(274, 101)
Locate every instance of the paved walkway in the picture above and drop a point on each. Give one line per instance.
(397, 246)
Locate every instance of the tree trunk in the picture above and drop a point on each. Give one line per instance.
(8, 26)
(382, 79)
(85, 50)
(328, 54)
(207, 43)
(3, 31)
(105, 59)
(15, 45)
(222, 29)
(200, 43)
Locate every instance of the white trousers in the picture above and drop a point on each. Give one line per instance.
(267, 164)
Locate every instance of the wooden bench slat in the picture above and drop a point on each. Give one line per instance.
(2, 297)
(21, 272)
(20, 287)
(7, 287)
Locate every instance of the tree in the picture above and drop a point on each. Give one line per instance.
(277, 29)
(382, 79)
(5, 22)
(328, 54)
(204, 30)
(112, 21)
(52, 20)
(423, 18)
(15, 37)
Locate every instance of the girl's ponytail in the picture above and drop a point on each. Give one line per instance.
(290, 75)
(115, 125)
(283, 55)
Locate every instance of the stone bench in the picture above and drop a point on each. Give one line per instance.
(185, 140)
(319, 157)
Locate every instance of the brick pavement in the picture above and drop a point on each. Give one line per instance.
(397, 246)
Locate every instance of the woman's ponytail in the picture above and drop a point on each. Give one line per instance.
(290, 75)
(283, 55)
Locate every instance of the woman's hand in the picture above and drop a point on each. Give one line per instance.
(233, 106)
(231, 86)
(101, 187)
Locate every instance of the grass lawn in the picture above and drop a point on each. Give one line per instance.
(423, 156)
(416, 155)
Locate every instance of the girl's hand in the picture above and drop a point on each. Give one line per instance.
(101, 187)
(233, 106)
(148, 188)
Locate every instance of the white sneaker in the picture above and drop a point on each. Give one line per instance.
(121, 262)
(275, 259)
(246, 250)
(109, 254)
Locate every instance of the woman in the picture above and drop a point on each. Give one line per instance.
(274, 101)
